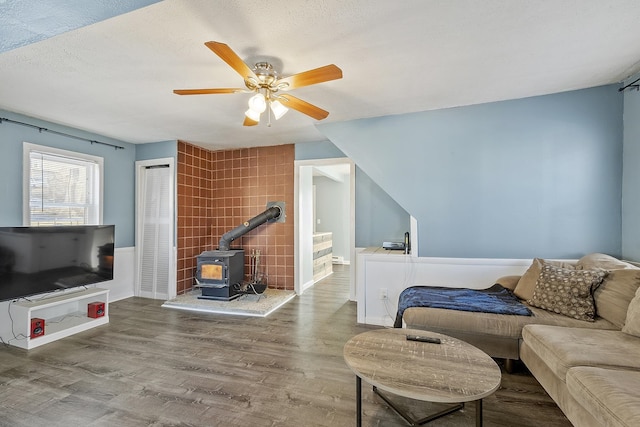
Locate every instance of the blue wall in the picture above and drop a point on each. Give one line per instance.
(531, 177)
(157, 150)
(118, 171)
(317, 150)
(540, 176)
(631, 175)
(378, 217)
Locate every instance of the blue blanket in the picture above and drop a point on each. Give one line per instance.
(495, 299)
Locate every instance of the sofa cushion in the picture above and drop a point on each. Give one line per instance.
(610, 395)
(527, 283)
(562, 348)
(567, 292)
(613, 296)
(607, 262)
(632, 322)
(508, 282)
(504, 325)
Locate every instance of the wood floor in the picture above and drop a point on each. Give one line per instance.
(154, 366)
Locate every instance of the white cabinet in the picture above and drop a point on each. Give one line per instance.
(63, 315)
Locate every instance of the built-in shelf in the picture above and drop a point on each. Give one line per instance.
(63, 316)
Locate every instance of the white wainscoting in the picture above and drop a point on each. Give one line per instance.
(123, 284)
(393, 271)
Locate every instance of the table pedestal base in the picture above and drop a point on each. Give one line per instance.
(421, 421)
(406, 416)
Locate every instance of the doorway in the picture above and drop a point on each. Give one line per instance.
(306, 216)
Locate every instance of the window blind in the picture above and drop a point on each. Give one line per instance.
(62, 190)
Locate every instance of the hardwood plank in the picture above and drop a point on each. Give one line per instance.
(158, 366)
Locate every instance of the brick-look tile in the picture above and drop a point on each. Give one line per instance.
(219, 190)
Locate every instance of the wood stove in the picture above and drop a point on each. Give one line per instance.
(220, 274)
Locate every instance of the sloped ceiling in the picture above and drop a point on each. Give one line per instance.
(115, 76)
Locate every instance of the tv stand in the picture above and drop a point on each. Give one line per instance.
(64, 315)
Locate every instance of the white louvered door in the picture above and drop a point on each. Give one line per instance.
(155, 234)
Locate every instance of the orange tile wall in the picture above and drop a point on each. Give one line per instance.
(195, 210)
(219, 190)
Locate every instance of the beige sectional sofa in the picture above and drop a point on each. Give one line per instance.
(593, 375)
(499, 335)
(590, 368)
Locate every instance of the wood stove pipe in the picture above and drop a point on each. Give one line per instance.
(272, 213)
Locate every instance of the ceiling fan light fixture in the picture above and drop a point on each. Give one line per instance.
(278, 109)
(253, 115)
(258, 103)
(264, 83)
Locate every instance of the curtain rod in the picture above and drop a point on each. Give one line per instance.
(41, 129)
(632, 85)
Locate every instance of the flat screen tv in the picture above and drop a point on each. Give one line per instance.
(36, 260)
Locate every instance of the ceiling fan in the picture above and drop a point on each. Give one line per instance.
(265, 82)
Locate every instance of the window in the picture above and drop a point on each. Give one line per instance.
(61, 187)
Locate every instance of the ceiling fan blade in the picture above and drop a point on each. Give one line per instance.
(249, 122)
(229, 56)
(304, 107)
(207, 91)
(311, 77)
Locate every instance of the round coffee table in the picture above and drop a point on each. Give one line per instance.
(450, 372)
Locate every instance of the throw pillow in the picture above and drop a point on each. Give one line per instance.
(632, 324)
(508, 282)
(597, 260)
(613, 296)
(567, 292)
(527, 283)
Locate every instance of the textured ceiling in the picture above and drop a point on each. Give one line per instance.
(115, 77)
(29, 21)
